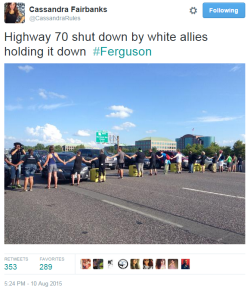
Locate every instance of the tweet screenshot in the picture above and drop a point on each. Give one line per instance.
(124, 139)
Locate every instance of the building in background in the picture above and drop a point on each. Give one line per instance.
(69, 147)
(191, 139)
(160, 143)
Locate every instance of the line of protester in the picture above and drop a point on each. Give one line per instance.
(30, 162)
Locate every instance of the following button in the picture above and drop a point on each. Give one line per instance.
(223, 10)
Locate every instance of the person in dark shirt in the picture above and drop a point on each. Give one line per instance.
(152, 158)
(12, 14)
(77, 167)
(16, 154)
(29, 162)
(203, 159)
(240, 161)
(185, 265)
(214, 162)
(191, 161)
(101, 158)
(140, 156)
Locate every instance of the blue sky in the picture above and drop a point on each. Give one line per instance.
(68, 103)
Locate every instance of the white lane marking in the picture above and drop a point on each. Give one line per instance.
(224, 195)
(144, 214)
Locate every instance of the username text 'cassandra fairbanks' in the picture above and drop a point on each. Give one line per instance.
(61, 9)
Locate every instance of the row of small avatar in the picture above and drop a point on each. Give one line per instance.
(135, 264)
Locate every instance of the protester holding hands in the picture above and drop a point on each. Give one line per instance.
(77, 167)
(52, 167)
(121, 156)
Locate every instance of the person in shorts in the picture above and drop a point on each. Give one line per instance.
(29, 162)
(16, 155)
(101, 159)
(234, 163)
(121, 156)
(77, 167)
(221, 159)
(152, 158)
(52, 167)
(229, 163)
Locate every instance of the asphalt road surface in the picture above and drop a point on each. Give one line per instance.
(164, 209)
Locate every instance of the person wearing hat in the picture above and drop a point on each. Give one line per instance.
(16, 154)
(140, 156)
(77, 167)
(214, 162)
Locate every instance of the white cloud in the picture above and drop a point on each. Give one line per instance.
(54, 106)
(42, 93)
(226, 142)
(124, 126)
(45, 95)
(204, 111)
(47, 133)
(9, 137)
(120, 111)
(243, 135)
(82, 133)
(216, 118)
(26, 68)
(235, 68)
(13, 107)
(74, 141)
(151, 131)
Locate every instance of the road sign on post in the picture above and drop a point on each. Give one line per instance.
(102, 136)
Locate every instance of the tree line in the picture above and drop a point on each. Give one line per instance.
(238, 149)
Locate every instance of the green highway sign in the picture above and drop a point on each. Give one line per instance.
(102, 136)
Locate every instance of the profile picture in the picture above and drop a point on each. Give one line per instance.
(135, 264)
(110, 264)
(172, 263)
(160, 264)
(185, 263)
(97, 263)
(14, 12)
(148, 264)
(85, 263)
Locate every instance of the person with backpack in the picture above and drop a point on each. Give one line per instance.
(30, 162)
(166, 161)
(52, 167)
(221, 159)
